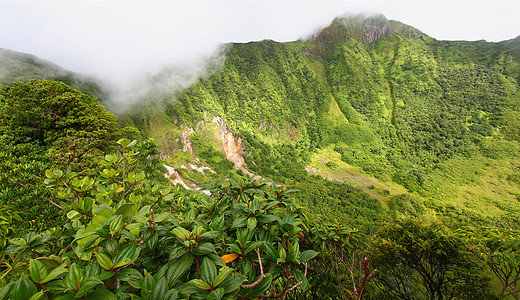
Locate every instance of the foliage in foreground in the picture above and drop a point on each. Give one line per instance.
(126, 238)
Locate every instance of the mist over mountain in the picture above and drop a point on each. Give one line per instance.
(366, 92)
(367, 138)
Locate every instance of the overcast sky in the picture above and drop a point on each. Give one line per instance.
(114, 38)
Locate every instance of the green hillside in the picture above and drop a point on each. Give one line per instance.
(16, 66)
(383, 97)
(368, 160)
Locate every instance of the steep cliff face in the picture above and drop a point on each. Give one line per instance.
(233, 147)
(384, 96)
(214, 133)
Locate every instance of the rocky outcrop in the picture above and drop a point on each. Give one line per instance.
(231, 145)
(233, 148)
(186, 143)
(176, 178)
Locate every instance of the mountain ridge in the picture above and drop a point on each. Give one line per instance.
(381, 95)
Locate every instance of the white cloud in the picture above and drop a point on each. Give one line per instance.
(117, 39)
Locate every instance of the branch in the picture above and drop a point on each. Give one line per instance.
(57, 205)
(262, 276)
(287, 289)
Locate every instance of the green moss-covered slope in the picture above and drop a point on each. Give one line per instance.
(385, 96)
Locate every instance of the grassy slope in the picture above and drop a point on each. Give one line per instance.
(16, 66)
(388, 108)
(385, 102)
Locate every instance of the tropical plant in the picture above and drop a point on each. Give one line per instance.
(127, 238)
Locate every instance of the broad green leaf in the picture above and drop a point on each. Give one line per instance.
(200, 284)
(6, 291)
(160, 289)
(216, 294)
(235, 248)
(239, 222)
(132, 143)
(123, 262)
(244, 236)
(178, 268)
(134, 228)
(298, 275)
(49, 174)
(181, 233)
(204, 249)
(54, 273)
(255, 205)
(148, 286)
(171, 295)
(177, 252)
(116, 224)
(86, 203)
(124, 142)
(38, 296)
(307, 255)
(23, 289)
(57, 173)
(267, 218)
(252, 246)
(81, 234)
(232, 283)
(208, 270)
(151, 243)
(73, 277)
(101, 293)
(125, 210)
(17, 242)
(132, 276)
(104, 275)
(126, 254)
(282, 255)
(65, 297)
(55, 286)
(217, 260)
(111, 246)
(104, 261)
(162, 217)
(160, 273)
(241, 208)
(223, 273)
(73, 215)
(88, 285)
(251, 223)
(37, 270)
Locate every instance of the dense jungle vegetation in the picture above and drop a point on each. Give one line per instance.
(387, 166)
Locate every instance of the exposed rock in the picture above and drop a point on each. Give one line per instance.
(201, 169)
(200, 126)
(232, 146)
(177, 178)
(186, 143)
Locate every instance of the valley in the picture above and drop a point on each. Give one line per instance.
(368, 137)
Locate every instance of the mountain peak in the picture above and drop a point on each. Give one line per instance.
(367, 29)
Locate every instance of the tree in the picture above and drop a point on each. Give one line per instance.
(44, 124)
(348, 253)
(56, 117)
(500, 250)
(427, 261)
